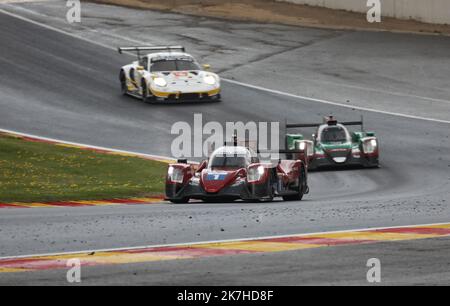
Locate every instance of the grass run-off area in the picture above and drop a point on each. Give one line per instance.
(41, 172)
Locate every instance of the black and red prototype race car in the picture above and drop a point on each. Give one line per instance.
(233, 173)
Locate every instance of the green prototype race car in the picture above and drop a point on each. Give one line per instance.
(333, 145)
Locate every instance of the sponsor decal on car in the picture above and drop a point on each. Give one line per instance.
(216, 176)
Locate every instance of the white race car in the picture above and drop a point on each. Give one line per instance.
(168, 74)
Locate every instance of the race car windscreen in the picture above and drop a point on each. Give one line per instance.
(229, 161)
(334, 134)
(174, 65)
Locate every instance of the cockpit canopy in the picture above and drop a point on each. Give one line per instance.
(334, 134)
(230, 157)
(174, 65)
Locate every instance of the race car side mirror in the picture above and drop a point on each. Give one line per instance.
(206, 66)
(202, 166)
(356, 137)
(305, 150)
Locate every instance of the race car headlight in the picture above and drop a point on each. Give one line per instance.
(261, 170)
(175, 175)
(255, 174)
(161, 82)
(373, 142)
(302, 146)
(210, 80)
(370, 146)
(307, 147)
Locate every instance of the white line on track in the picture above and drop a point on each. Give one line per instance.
(48, 27)
(387, 92)
(21, 1)
(236, 82)
(221, 241)
(336, 103)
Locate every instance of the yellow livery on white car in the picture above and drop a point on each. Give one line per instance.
(169, 74)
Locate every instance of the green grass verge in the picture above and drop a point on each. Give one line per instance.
(41, 172)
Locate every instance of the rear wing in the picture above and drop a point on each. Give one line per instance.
(281, 151)
(138, 50)
(301, 154)
(327, 120)
(302, 125)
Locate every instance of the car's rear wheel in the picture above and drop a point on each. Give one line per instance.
(123, 83)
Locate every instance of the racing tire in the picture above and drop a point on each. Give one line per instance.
(180, 201)
(123, 83)
(372, 165)
(144, 91)
(302, 189)
(271, 194)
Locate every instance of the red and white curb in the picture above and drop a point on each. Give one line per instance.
(131, 201)
(223, 248)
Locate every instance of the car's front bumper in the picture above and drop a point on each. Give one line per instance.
(242, 191)
(211, 95)
(351, 161)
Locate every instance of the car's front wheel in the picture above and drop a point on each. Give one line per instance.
(270, 191)
(144, 91)
(180, 201)
(123, 83)
(302, 189)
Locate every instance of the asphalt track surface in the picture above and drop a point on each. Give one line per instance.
(56, 86)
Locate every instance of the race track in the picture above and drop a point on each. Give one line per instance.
(54, 85)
